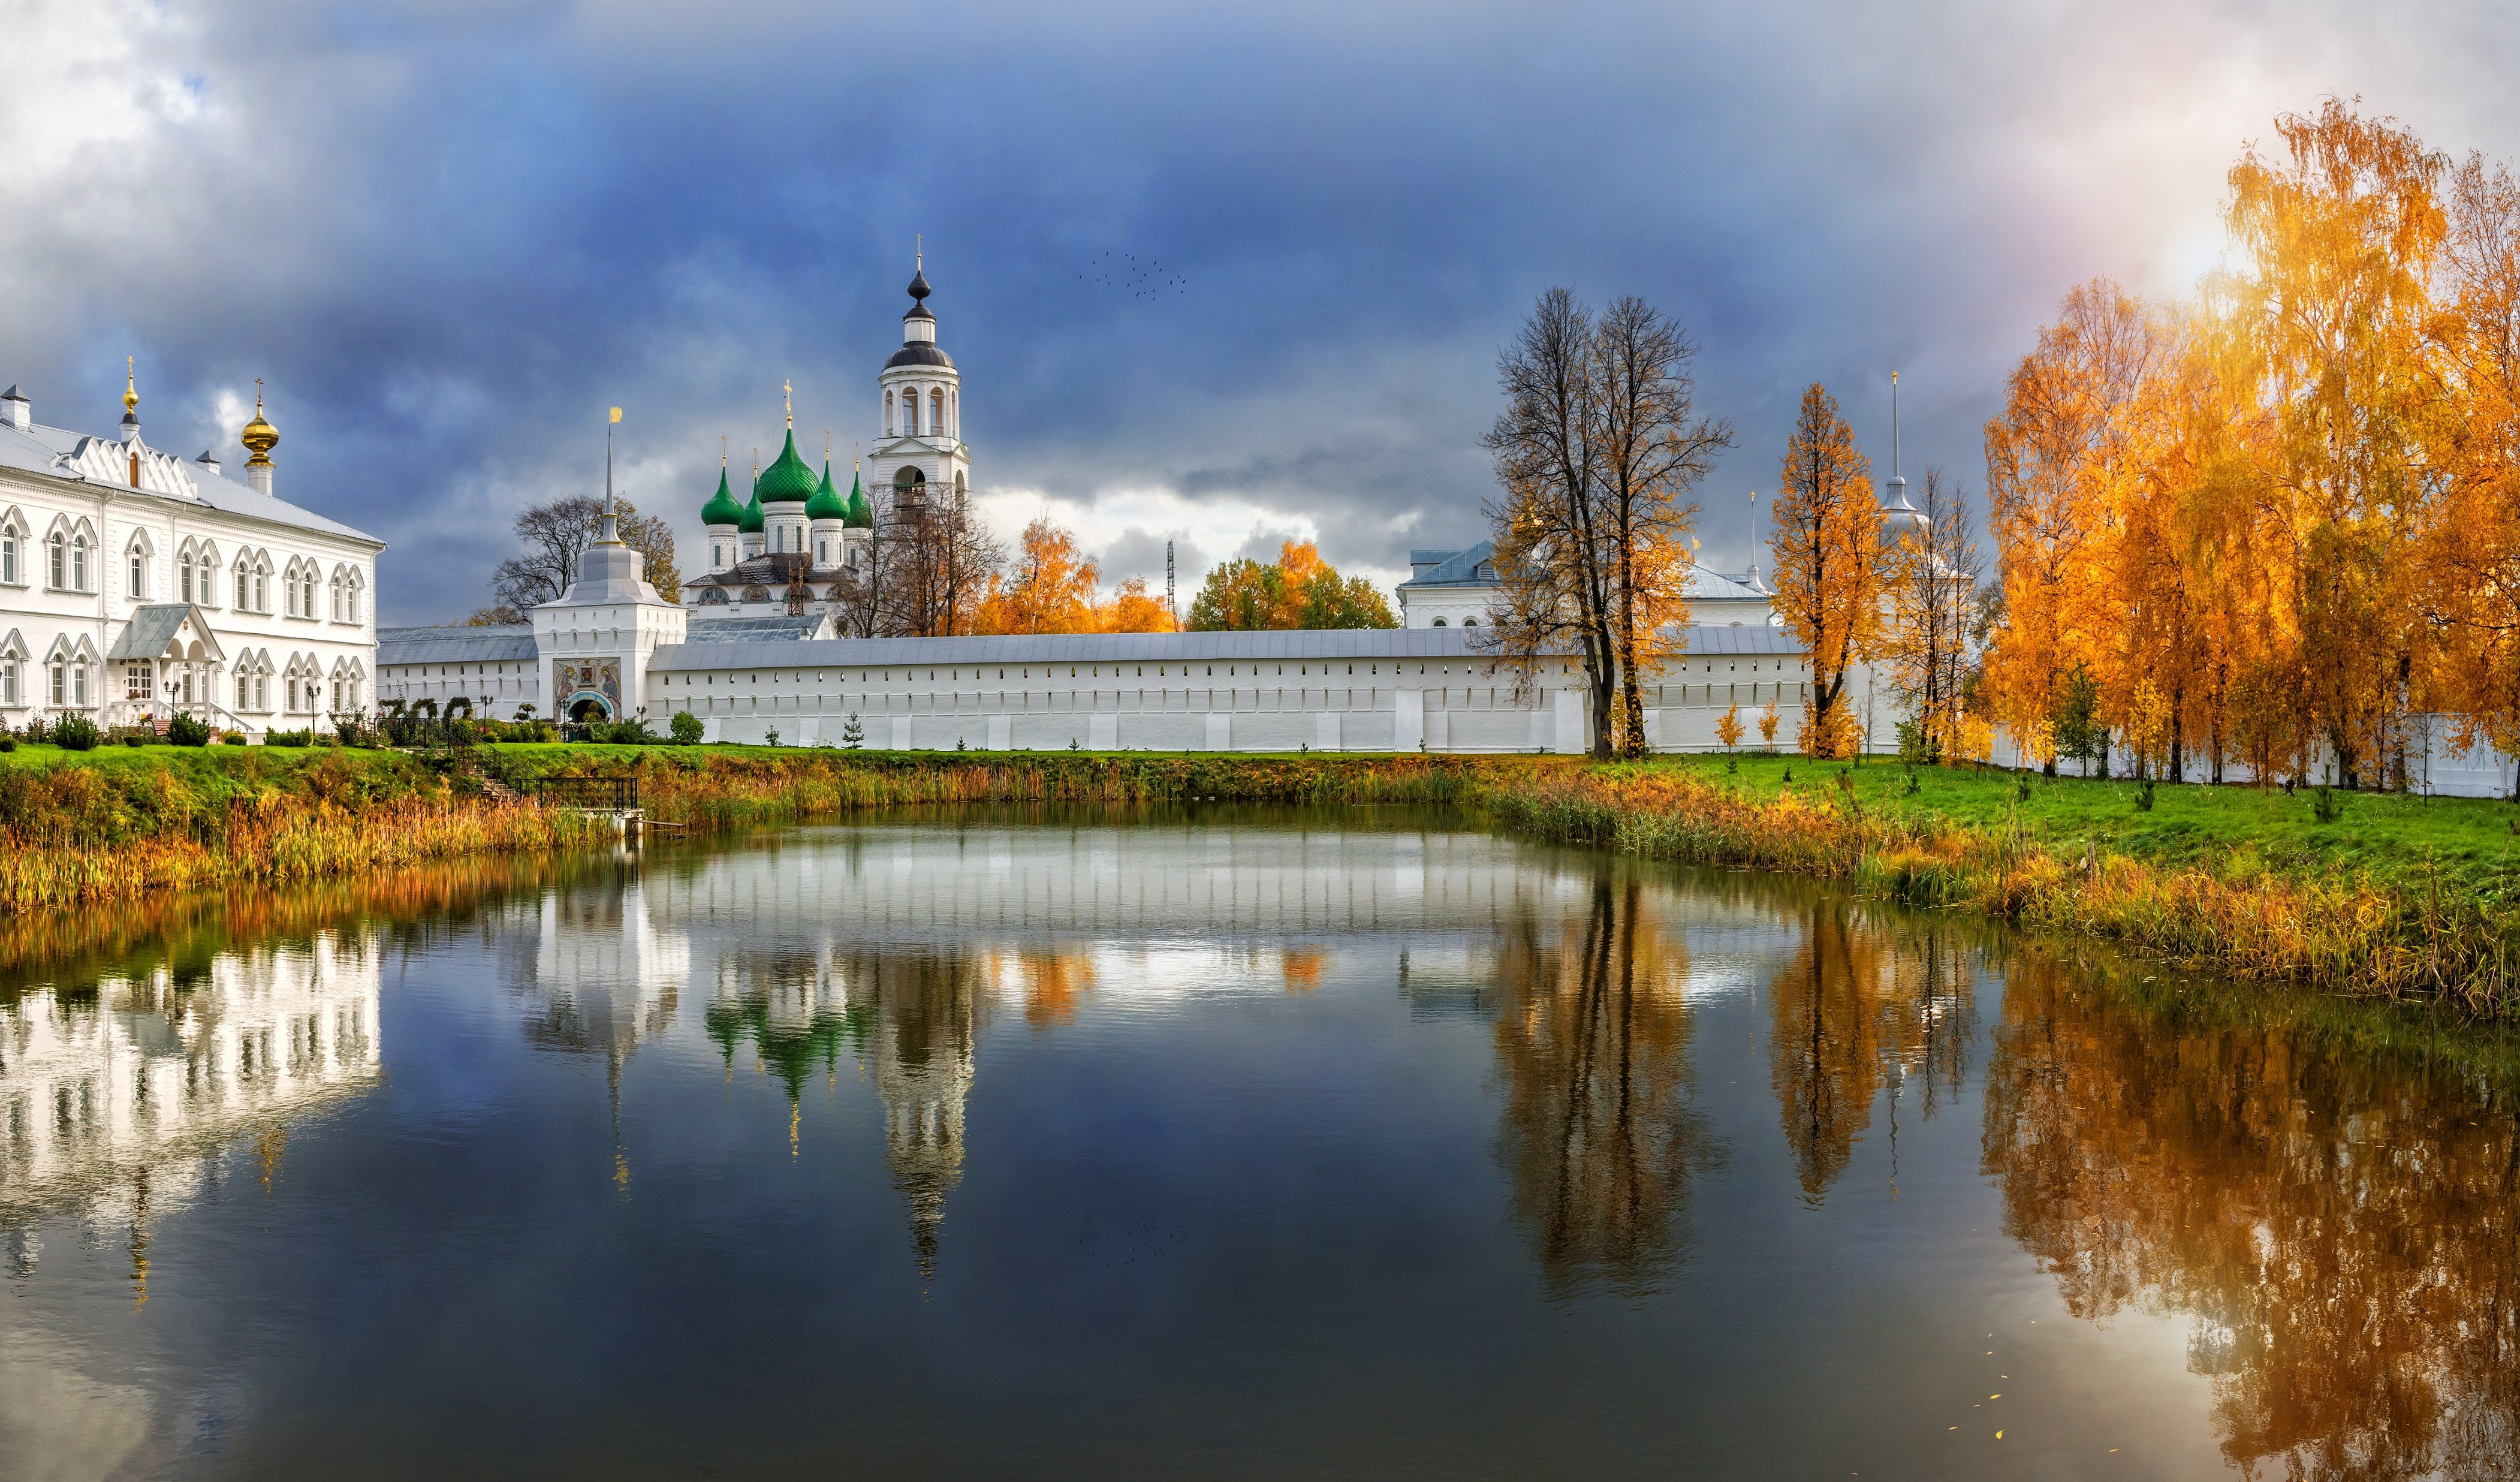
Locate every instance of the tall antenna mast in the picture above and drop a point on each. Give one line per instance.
(1171, 605)
(1897, 480)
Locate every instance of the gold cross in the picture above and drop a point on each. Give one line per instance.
(788, 391)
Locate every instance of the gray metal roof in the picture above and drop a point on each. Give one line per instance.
(1455, 568)
(1146, 647)
(152, 631)
(496, 643)
(1744, 641)
(38, 449)
(1076, 649)
(773, 625)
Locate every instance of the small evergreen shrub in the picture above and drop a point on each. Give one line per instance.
(289, 739)
(77, 733)
(233, 738)
(188, 731)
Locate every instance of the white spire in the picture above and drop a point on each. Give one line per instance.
(1897, 480)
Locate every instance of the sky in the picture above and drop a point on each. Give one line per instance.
(448, 234)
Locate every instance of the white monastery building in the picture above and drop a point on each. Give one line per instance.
(136, 584)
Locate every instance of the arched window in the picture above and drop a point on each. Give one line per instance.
(139, 573)
(1470, 622)
(887, 414)
(78, 566)
(12, 550)
(58, 576)
(936, 411)
(1439, 622)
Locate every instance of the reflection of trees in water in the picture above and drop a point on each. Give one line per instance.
(1600, 1135)
(1862, 1005)
(2343, 1234)
(1051, 982)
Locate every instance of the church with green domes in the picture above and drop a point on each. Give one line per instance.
(796, 539)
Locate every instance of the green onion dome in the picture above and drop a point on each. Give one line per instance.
(750, 523)
(788, 479)
(826, 503)
(861, 513)
(721, 510)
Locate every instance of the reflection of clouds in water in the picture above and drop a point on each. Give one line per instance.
(57, 1424)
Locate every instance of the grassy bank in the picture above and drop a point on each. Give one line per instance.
(125, 824)
(2395, 897)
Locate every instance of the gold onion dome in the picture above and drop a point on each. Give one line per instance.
(260, 436)
(788, 479)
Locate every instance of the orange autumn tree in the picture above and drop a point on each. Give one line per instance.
(1827, 556)
(2055, 459)
(2340, 235)
(1051, 587)
(1298, 590)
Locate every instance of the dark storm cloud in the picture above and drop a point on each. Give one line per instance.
(448, 234)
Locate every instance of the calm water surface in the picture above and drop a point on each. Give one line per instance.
(1214, 1144)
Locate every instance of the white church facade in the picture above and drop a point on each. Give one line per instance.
(136, 584)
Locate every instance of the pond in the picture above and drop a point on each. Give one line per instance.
(1213, 1142)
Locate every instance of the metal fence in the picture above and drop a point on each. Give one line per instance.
(610, 793)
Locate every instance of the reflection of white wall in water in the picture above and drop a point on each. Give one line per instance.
(604, 955)
(99, 1098)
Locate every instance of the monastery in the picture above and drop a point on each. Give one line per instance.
(755, 653)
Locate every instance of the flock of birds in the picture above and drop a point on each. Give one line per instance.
(1141, 280)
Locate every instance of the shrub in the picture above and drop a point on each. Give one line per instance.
(2143, 795)
(8, 743)
(2324, 806)
(688, 729)
(77, 733)
(288, 739)
(188, 731)
(135, 738)
(233, 738)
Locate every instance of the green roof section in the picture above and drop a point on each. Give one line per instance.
(826, 503)
(861, 513)
(750, 523)
(721, 510)
(788, 479)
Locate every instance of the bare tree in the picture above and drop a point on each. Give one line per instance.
(934, 560)
(1933, 578)
(1652, 452)
(1552, 550)
(558, 533)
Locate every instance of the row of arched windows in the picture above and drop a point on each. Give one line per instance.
(902, 415)
(67, 558)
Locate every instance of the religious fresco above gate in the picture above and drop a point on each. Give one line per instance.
(597, 679)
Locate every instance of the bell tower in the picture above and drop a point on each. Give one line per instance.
(922, 407)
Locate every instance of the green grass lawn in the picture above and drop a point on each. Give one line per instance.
(2232, 829)
(2235, 830)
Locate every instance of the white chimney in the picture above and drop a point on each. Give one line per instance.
(209, 461)
(16, 411)
(259, 474)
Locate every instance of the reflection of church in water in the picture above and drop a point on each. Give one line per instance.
(115, 1102)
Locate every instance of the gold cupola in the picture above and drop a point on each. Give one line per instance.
(260, 436)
